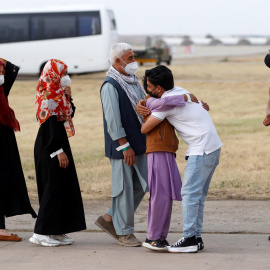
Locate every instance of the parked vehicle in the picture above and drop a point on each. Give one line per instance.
(80, 35)
(159, 53)
(146, 56)
(163, 52)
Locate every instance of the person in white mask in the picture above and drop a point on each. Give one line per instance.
(61, 208)
(14, 198)
(125, 146)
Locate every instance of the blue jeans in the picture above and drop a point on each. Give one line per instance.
(198, 174)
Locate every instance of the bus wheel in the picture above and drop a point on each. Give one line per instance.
(41, 67)
(169, 61)
(141, 63)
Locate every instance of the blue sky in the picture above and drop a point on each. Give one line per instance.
(191, 17)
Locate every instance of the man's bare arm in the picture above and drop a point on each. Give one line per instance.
(150, 124)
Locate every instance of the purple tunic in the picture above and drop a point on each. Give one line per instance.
(163, 169)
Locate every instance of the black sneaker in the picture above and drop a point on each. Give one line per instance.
(185, 244)
(164, 242)
(153, 244)
(200, 243)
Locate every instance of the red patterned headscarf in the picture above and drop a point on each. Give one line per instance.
(51, 99)
(7, 115)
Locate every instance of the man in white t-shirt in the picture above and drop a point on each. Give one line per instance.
(195, 127)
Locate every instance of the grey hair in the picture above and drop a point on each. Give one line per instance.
(118, 50)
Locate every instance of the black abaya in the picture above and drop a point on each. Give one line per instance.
(14, 198)
(61, 208)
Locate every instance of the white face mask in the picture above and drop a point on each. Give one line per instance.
(65, 81)
(130, 68)
(2, 79)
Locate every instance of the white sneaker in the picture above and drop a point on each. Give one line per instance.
(63, 239)
(44, 240)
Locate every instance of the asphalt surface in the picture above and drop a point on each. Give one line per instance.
(235, 236)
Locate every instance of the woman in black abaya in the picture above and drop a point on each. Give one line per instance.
(61, 208)
(14, 198)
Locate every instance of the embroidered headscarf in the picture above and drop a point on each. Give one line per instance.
(51, 99)
(7, 115)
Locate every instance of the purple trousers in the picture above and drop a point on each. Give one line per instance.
(164, 186)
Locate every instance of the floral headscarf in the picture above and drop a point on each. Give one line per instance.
(51, 99)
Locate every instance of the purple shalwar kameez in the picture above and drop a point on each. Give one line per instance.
(164, 186)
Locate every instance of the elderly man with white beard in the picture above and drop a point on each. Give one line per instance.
(125, 145)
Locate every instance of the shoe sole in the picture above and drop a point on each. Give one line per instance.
(190, 249)
(105, 230)
(65, 243)
(200, 247)
(38, 242)
(146, 245)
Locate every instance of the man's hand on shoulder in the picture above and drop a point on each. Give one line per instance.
(141, 109)
(205, 106)
(192, 98)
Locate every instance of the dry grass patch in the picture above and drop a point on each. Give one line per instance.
(236, 92)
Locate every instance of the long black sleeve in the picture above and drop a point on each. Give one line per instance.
(51, 138)
(11, 72)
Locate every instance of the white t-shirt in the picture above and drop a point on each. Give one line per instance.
(193, 124)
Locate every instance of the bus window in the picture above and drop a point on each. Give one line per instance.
(50, 26)
(89, 24)
(14, 28)
(63, 28)
(112, 19)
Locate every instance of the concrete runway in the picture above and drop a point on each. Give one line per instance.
(235, 236)
(93, 250)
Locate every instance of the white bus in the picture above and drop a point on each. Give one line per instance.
(79, 35)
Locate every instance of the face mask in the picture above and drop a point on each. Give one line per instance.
(131, 68)
(65, 81)
(2, 79)
(151, 93)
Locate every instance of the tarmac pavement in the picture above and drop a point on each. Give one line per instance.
(235, 236)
